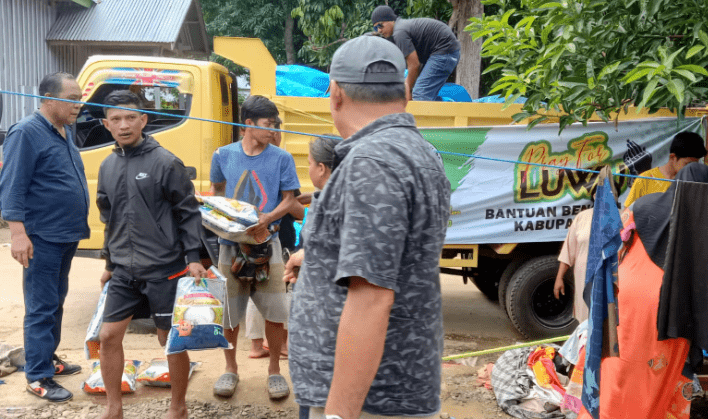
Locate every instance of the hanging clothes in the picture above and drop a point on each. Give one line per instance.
(600, 291)
(683, 311)
(647, 380)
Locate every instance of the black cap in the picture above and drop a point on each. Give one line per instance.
(383, 14)
(688, 144)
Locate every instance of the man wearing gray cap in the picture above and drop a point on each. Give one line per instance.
(366, 320)
(431, 49)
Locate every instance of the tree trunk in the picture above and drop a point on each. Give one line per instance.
(469, 68)
(289, 47)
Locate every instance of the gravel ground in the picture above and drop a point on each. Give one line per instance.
(460, 389)
(149, 410)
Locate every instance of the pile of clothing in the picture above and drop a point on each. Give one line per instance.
(541, 382)
(11, 359)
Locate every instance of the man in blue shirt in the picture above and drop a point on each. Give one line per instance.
(44, 198)
(255, 171)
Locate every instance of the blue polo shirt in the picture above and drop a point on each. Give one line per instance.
(42, 182)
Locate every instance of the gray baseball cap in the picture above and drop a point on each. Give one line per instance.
(351, 60)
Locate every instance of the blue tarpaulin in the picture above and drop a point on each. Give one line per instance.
(301, 81)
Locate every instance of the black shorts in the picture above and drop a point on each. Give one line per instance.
(140, 298)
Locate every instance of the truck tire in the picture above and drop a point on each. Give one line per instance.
(530, 303)
(505, 279)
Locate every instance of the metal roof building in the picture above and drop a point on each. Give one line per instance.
(43, 36)
(172, 26)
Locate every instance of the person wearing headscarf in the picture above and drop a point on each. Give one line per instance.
(649, 378)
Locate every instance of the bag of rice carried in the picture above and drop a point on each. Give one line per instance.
(94, 384)
(222, 226)
(157, 373)
(230, 219)
(92, 343)
(239, 211)
(198, 315)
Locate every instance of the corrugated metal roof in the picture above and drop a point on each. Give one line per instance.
(157, 21)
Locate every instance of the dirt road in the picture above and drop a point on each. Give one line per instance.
(471, 322)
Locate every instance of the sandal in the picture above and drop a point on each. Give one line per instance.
(225, 386)
(277, 387)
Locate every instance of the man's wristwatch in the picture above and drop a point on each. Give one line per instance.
(333, 417)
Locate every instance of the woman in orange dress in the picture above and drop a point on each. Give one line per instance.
(647, 380)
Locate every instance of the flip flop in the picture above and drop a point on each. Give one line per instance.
(283, 354)
(277, 387)
(225, 386)
(263, 355)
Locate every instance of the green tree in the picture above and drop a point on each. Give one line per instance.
(328, 23)
(270, 21)
(576, 58)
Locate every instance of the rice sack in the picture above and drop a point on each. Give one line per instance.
(222, 226)
(94, 384)
(157, 374)
(230, 219)
(239, 211)
(198, 315)
(92, 344)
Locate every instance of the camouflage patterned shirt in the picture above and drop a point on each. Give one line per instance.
(382, 216)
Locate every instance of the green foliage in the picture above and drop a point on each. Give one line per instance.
(262, 19)
(585, 57)
(329, 23)
(435, 9)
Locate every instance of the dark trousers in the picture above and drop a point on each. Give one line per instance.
(45, 285)
(304, 412)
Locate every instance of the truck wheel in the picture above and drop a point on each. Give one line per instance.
(505, 279)
(530, 303)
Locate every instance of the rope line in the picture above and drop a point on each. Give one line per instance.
(549, 165)
(101, 105)
(504, 348)
(235, 124)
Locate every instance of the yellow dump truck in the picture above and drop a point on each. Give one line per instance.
(518, 272)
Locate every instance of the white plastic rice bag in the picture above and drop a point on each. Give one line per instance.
(239, 211)
(229, 229)
(198, 315)
(157, 374)
(94, 384)
(92, 344)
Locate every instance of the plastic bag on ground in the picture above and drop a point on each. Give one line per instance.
(157, 374)
(92, 344)
(94, 384)
(198, 315)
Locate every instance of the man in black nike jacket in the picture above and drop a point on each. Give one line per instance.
(152, 222)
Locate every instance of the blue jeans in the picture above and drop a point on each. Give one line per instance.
(434, 75)
(304, 412)
(45, 285)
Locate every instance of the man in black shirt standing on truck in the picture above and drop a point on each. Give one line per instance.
(431, 49)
